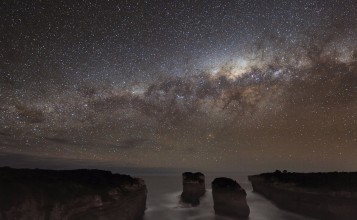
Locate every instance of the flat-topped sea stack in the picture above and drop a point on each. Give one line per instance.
(70, 195)
(193, 187)
(229, 198)
(327, 196)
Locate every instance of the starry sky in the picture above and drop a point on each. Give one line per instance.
(196, 85)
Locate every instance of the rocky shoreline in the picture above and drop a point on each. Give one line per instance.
(328, 196)
(70, 194)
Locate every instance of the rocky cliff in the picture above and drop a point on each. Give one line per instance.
(70, 195)
(327, 196)
(229, 198)
(193, 187)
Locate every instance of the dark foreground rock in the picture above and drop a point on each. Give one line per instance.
(327, 196)
(229, 198)
(70, 195)
(193, 187)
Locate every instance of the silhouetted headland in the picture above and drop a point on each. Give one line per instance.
(70, 194)
(193, 187)
(229, 198)
(320, 195)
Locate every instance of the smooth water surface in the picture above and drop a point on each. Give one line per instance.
(163, 202)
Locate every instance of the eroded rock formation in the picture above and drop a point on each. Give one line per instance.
(193, 187)
(70, 194)
(229, 198)
(327, 196)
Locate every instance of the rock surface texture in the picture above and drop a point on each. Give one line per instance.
(193, 187)
(70, 195)
(229, 198)
(327, 196)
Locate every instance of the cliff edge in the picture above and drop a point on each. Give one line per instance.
(327, 196)
(70, 195)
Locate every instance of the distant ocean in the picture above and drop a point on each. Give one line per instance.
(163, 202)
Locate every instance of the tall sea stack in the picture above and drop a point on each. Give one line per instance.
(229, 198)
(193, 187)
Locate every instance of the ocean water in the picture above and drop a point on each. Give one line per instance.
(163, 202)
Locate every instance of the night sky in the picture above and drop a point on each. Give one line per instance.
(198, 85)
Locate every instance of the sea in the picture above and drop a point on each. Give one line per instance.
(163, 202)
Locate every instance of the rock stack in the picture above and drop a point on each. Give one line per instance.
(193, 187)
(229, 198)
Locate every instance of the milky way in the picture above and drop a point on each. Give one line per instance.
(218, 85)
